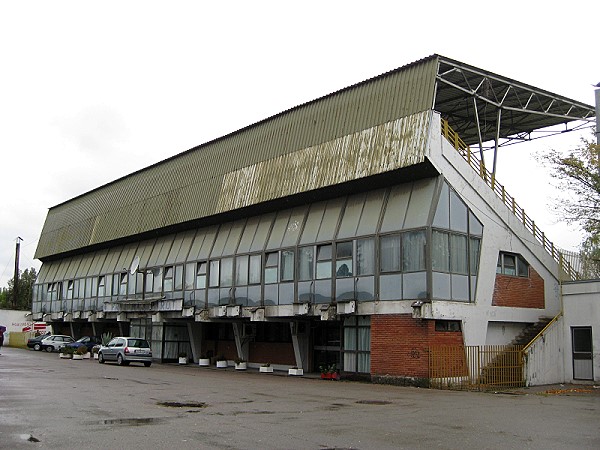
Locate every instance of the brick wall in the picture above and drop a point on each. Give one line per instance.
(519, 292)
(399, 344)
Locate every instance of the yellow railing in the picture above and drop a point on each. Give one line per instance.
(475, 367)
(507, 199)
(541, 333)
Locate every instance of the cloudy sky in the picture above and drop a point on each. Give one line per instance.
(91, 91)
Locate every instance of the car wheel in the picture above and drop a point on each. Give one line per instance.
(37, 347)
(120, 359)
(49, 349)
(100, 358)
(147, 364)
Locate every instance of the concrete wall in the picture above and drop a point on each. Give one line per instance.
(581, 304)
(543, 365)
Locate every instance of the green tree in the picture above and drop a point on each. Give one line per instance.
(24, 294)
(578, 176)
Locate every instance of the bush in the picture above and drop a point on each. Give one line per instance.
(67, 350)
(106, 337)
(81, 350)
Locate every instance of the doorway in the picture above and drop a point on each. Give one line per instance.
(583, 367)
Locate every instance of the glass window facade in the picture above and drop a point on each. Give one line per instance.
(376, 245)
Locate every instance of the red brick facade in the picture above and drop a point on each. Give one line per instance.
(519, 292)
(399, 344)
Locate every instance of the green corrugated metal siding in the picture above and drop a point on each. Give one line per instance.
(189, 186)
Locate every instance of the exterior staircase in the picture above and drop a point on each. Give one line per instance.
(505, 369)
(531, 331)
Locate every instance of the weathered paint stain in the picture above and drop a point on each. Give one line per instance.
(389, 146)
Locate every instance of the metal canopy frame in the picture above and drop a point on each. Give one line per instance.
(492, 111)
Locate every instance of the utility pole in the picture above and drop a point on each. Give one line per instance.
(16, 277)
(597, 93)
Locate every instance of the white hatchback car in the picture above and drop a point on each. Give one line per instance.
(55, 342)
(125, 350)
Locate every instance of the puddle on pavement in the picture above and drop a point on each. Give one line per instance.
(134, 421)
(374, 402)
(182, 404)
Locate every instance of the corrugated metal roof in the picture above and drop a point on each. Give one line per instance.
(190, 186)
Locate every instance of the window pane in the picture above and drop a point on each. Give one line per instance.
(441, 285)
(271, 266)
(324, 252)
(157, 272)
(226, 275)
(390, 287)
(350, 338)
(255, 269)
(179, 277)
(343, 268)
(344, 289)
(475, 226)
(460, 287)
(365, 257)
(323, 270)
(458, 254)
(149, 281)
(201, 275)
(390, 253)
(305, 263)
(271, 259)
(509, 265)
(414, 285)
(344, 250)
(474, 248)
(241, 270)
(458, 213)
(441, 218)
(116, 282)
(168, 279)
(214, 274)
(190, 275)
(413, 251)
(270, 275)
(440, 258)
(522, 267)
(365, 288)
(287, 265)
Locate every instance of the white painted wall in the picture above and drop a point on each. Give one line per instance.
(543, 364)
(581, 303)
(502, 333)
(14, 321)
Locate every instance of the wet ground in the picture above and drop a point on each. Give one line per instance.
(48, 403)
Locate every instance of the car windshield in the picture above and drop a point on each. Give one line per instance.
(140, 343)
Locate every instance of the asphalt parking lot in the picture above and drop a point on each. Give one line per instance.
(49, 403)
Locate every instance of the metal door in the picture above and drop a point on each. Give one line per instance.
(582, 353)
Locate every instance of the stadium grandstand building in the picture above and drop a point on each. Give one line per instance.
(360, 229)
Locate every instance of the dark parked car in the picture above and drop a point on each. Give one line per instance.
(88, 341)
(125, 350)
(36, 342)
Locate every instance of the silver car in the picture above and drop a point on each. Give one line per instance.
(125, 350)
(55, 342)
